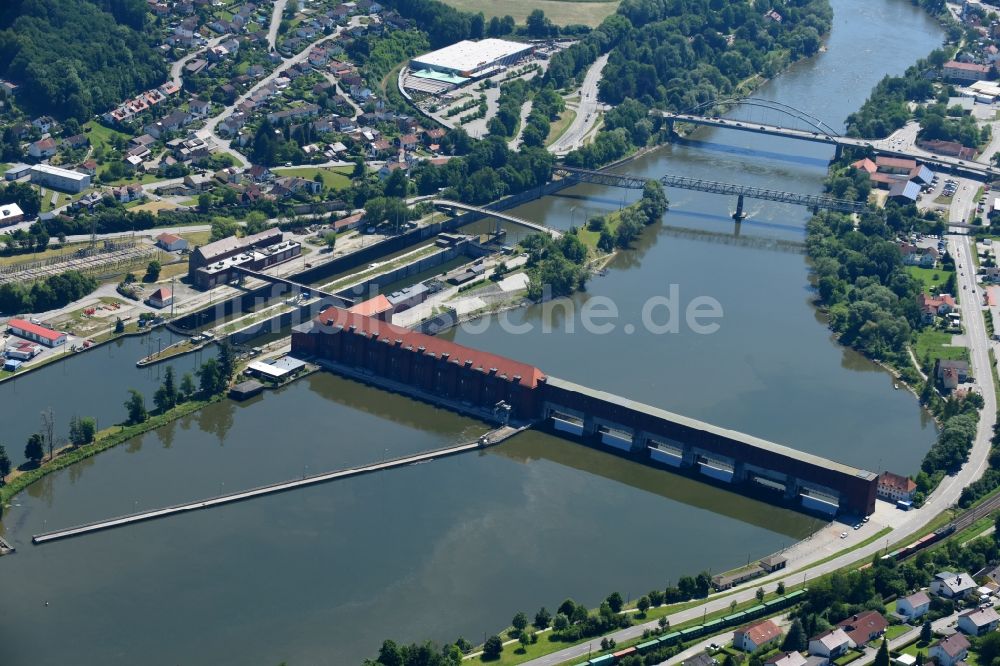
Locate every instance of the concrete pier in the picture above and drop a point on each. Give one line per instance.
(490, 438)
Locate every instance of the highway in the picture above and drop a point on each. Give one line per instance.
(880, 146)
(587, 111)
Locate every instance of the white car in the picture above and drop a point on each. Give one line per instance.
(843, 535)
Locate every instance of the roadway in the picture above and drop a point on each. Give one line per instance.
(276, 14)
(587, 112)
(882, 146)
(178, 67)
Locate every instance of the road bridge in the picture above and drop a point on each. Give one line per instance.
(447, 204)
(811, 201)
(302, 288)
(822, 134)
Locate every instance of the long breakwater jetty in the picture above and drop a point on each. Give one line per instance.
(489, 439)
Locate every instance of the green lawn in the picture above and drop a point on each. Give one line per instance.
(932, 279)
(101, 135)
(896, 630)
(936, 344)
(334, 178)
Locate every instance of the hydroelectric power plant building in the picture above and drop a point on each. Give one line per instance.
(456, 376)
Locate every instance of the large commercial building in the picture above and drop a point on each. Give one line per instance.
(60, 179)
(217, 263)
(36, 333)
(468, 59)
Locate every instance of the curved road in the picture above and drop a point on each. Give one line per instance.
(586, 113)
(276, 14)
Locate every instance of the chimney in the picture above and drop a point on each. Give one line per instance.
(399, 342)
(468, 363)
(493, 371)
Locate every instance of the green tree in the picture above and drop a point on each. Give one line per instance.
(82, 430)
(166, 395)
(360, 170)
(34, 450)
(759, 594)
(152, 271)
(542, 618)
(781, 588)
(525, 640)
(519, 622)
(330, 240)
(136, 407)
(119, 326)
(616, 602)
(492, 647)
(927, 633)
(5, 464)
(204, 202)
(795, 640)
(882, 657)
(643, 604)
(560, 623)
(227, 365)
(989, 648)
(209, 378)
(187, 387)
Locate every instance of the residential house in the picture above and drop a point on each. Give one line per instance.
(830, 644)
(893, 488)
(934, 306)
(171, 242)
(44, 123)
(951, 650)
(917, 604)
(755, 636)
(786, 659)
(864, 627)
(407, 141)
(42, 148)
(387, 169)
(304, 111)
(199, 107)
(978, 621)
(380, 148)
(343, 124)
(260, 174)
(172, 122)
(951, 585)
(965, 71)
(950, 374)
(77, 141)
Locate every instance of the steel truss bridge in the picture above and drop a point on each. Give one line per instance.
(811, 201)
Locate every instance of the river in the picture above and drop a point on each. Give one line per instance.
(457, 546)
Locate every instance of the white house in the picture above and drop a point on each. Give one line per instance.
(171, 242)
(161, 298)
(953, 586)
(914, 606)
(755, 636)
(948, 651)
(978, 621)
(831, 644)
(786, 659)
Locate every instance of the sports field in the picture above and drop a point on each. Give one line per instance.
(560, 12)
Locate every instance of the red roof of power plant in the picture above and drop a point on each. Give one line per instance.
(35, 329)
(480, 360)
(372, 306)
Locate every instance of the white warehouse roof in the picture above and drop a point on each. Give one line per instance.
(468, 56)
(61, 173)
(8, 211)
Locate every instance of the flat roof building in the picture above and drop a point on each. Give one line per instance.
(10, 213)
(469, 58)
(276, 369)
(60, 179)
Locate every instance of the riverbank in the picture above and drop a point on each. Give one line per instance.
(18, 480)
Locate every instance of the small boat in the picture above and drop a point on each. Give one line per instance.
(895, 386)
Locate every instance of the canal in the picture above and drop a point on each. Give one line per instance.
(456, 546)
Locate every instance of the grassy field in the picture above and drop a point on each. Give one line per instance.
(930, 278)
(335, 178)
(101, 135)
(936, 344)
(560, 12)
(155, 206)
(559, 127)
(55, 251)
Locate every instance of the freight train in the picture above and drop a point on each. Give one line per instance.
(904, 552)
(707, 629)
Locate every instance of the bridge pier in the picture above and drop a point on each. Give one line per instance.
(739, 215)
(838, 152)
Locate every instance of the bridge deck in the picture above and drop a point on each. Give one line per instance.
(489, 212)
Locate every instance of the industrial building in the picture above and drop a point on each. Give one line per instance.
(36, 333)
(470, 59)
(60, 179)
(10, 213)
(217, 263)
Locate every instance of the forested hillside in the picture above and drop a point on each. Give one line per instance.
(75, 58)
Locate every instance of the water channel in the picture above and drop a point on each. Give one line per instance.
(456, 546)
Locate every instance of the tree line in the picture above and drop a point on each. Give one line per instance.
(72, 59)
(49, 293)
